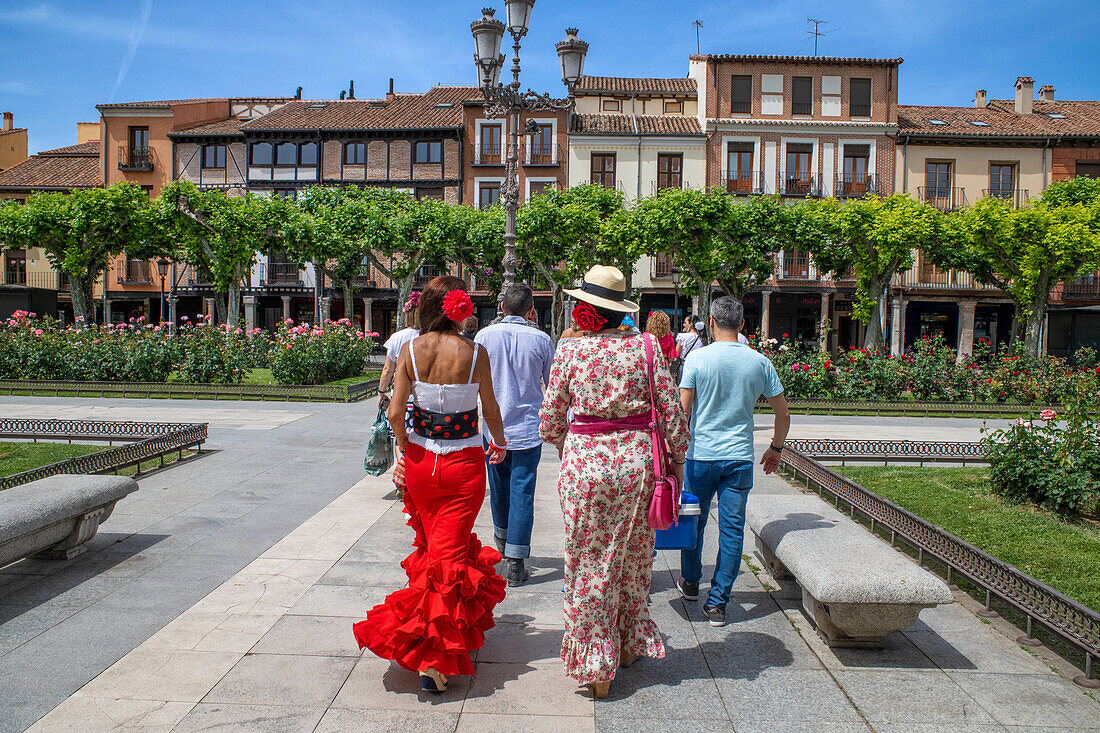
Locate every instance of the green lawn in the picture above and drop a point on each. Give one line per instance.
(263, 376)
(19, 457)
(1064, 555)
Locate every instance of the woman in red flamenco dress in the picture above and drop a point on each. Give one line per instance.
(432, 626)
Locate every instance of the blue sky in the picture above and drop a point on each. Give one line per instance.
(59, 59)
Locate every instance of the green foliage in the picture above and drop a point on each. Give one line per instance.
(1053, 462)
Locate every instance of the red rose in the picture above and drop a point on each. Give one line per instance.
(457, 305)
(586, 318)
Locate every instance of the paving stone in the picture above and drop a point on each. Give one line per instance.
(282, 679)
(938, 728)
(83, 714)
(524, 643)
(787, 726)
(911, 696)
(530, 607)
(525, 689)
(268, 718)
(680, 686)
(1024, 699)
(162, 674)
(340, 600)
(784, 695)
(976, 650)
(360, 572)
(490, 723)
(428, 720)
(327, 636)
(378, 684)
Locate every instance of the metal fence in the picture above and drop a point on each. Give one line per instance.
(904, 407)
(186, 390)
(885, 451)
(148, 441)
(1065, 617)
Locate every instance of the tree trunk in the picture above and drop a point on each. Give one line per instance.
(1034, 328)
(403, 289)
(81, 290)
(233, 312)
(875, 338)
(221, 307)
(349, 304)
(557, 311)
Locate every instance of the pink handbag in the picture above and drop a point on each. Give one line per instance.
(665, 505)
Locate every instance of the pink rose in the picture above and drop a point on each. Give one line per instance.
(1048, 415)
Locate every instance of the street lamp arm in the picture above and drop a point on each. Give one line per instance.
(504, 100)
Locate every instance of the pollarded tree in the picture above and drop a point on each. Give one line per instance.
(1027, 252)
(81, 232)
(874, 237)
(221, 236)
(561, 235)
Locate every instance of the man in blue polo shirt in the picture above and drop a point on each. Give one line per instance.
(520, 356)
(719, 388)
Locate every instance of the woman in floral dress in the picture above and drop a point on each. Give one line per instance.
(606, 481)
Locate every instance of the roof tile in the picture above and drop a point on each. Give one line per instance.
(623, 84)
(818, 60)
(1081, 118)
(56, 169)
(228, 126)
(439, 107)
(624, 125)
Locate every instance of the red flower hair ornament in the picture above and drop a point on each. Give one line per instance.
(458, 306)
(586, 318)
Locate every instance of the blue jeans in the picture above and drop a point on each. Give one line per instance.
(512, 499)
(730, 481)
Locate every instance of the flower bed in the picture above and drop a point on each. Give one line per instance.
(928, 373)
(34, 348)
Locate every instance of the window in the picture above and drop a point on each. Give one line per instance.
(147, 190)
(488, 194)
(489, 145)
(603, 169)
(428, 152)
(355, 154)
(856, 158)
(674, 108)
(859, 102)
(540, 187)
(936, 122)
(670, 170)
(429, 193)
(1002, 180)
(213, 156)
(139, 141)
(307, 154)
(802, 95)
(798, 178)
(741, 94)
(286, 154)
(1056, 115)
(739, 167)
(937, 180)
(1087, 169)
(15, 268)
(979, 123)
(285, 193)
(542, 145)
(260, 154)
(612, 105)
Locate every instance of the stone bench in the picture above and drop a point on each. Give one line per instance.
(855, 587)
(53, 517)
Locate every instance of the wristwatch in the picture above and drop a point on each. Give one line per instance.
(777, 450)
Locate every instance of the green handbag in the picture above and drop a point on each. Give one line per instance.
(379, 457)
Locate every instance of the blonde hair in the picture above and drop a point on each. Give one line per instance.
(658, 324)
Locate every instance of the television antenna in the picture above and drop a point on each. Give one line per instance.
(815, 33)
(698, 24)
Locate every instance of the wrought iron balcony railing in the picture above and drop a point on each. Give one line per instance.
(1083, 288)
(742, 182)
(661, 266)
(942, 198)
(138, 158)
(1014, 197)
(281, 273)
(855, 186)
(798, 183)
(135, 272)
(544, 154)
(935, 278)
(489, 154)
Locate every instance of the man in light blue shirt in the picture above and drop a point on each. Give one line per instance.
(520, 356)
(719, 388)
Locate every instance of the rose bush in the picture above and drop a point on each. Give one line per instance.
(319, 354)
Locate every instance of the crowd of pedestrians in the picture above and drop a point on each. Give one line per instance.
(594, 398)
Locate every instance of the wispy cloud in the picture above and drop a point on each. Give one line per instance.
(15, 87)
(136, 34)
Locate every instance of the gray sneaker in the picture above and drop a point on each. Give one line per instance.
(715, 614)
(516, 574)
(688, 591)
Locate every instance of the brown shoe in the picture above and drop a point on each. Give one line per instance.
(599, 690)
(626, 658)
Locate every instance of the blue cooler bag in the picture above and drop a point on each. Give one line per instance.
(683, 534)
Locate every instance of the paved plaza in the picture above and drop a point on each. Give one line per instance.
(221, 596)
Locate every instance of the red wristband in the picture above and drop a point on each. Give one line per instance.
(494, 446)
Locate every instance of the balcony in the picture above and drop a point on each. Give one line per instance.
(931, 277)
(280, 273)
(743, 183)
(1083, 288)
(488, 155)
(135, 272)
(799, 183)
(795, 265)
(426, 274)
(547, 154)
(661, 266)
(1015, 199)
(855, 186)
(134, 159)
(654, 188)
(942, 198)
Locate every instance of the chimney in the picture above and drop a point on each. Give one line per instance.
(343, 94)
(980, 99)
(87, 132)
(1046, 93)
(389, 94)
(298, 93)
(9, 120)
(1024, 93)
(351, 89)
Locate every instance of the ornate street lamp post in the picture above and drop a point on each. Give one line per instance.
(506, 101)
(162, 269)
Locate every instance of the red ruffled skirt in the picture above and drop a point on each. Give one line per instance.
(447, 607)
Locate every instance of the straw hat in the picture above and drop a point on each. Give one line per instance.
(604, 287)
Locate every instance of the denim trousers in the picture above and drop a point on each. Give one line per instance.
(729, 482)
(512, 499)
